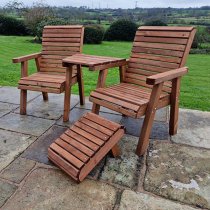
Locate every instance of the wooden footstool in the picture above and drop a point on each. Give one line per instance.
(82, 146)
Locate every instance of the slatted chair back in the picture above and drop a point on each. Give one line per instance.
(59, 42)
(156, 50)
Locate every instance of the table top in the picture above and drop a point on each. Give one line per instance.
(94, 62)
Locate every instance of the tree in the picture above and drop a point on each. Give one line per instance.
(36, 14)
(15, 6)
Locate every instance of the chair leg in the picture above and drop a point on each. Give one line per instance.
(96, 108)
(45, 96)
(174, 109)
(80, 85)
(148, 120)
(116, 152)
(67, 95)
(23, 102)
(67, 98)
(145, 133)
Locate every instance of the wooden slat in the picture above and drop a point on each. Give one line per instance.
(154, 63)
(73, 150)
(41, 78)
(97, 126)
(87, 135)
(115, 101)
(64, 27)
(164, 46)
(87, 142)
(81, 147)
(70, 158)
(157, 51)
(39, 83)
(160, 40)
(147, 67)
(122, 96)
(60, 39)
(52, 65)
(92, 131)
(60, 53)
(63, 35)
(62, 163)
(62, 31)
(60, 44)
(55, 57)
(140, 71)
(40, 89)
(157, 58)
(102, 121)
(113, 107)
(60, 77)
(163, 34)
(166, 28)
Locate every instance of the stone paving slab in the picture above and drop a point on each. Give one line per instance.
(47, 189)
(11, 145)
(160, 130)
(179, 173)
(25, 124)
(5, 108)
(38, 150)
(17, 170)
(131, 200)
(123, 170)
(77, 113)
(194, 128)
(6, 190)
(12, 95)
(51, 109)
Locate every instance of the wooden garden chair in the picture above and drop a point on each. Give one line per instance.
(151, 79)
(58, 42)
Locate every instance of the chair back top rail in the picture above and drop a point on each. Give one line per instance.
(59, 42)
(158, 49)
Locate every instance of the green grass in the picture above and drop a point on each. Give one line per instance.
(195, 90)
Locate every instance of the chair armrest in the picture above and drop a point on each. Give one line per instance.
(166, 76)
(26, 57)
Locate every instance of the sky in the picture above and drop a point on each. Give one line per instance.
(120, 3)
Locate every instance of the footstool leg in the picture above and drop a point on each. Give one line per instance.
(116, 152)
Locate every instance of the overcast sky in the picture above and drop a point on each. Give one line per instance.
(120, 3)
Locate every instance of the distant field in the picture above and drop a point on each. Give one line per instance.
(195, 92)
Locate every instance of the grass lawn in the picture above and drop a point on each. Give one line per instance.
(195, 91)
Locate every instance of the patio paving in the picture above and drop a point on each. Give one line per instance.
(174, 174)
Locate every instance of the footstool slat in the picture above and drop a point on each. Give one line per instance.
(102, 121)
(87, 135)
(97, 126)
(81, 147)
(67, 156)
(63, 164)
(83, 140)
(91, 130)
(78, 145)
(74, 151)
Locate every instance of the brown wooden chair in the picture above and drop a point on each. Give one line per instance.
(151, 79)
(58, 42)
